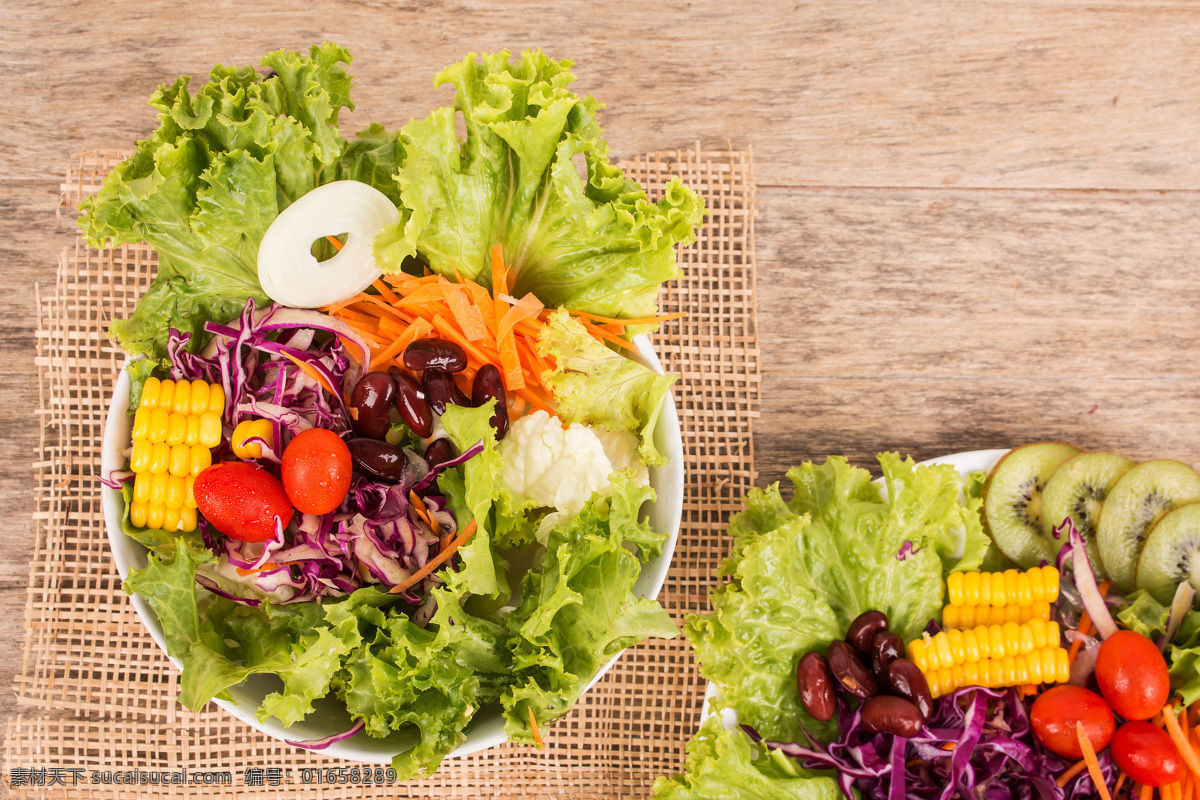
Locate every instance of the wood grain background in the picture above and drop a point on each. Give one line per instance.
(977, 220)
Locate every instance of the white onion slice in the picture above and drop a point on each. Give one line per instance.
(287, 270)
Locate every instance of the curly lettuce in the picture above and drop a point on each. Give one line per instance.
(204, 188)
(593, 243)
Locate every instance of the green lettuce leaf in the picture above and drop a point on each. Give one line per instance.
(597, 386)
(1145, 615)
(596, 244)
(725, 765)
(803, 570)
(578, 609)
(204, 188)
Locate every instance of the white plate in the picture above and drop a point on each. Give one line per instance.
(330, 716)
(966, 463)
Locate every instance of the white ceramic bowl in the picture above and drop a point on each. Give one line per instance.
(966, 463)
(330, 716)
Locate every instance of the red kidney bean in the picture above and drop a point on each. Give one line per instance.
(861, 633)
(488, 385)
(440, 354)
(816, 686)
(439, 452)
(371, 402)
(849, 672)
(410, 403)
(441, 390)
(891, 715)
(377, 458)
(886, 649)
(909, 682)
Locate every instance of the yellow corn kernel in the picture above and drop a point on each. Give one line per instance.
(166, 394)
(941, 650)
(158, 489)
(201, 459)
(1020, 670)
(181, 403)
(216, 399)
(170, 519)
(952, 616)
(187, 519)
(1050, 579)
(1024, 592)
(918, 651)
(249, 429)
(1033, 663)
(141, 424)
(159, 422)
(1010, 586)
(1040, 609)
(189, 492)
(200, 392)
(149, 393)
(160, 458)
(970, 673)
(1012, 638)
(176, 492)
(1037, 584)
(946, 680)
(1046, 661)
(999, 594)
(1053, 637)
(176, 429)
(141, 487)
(971, 648)
(137, 514)
(181, 460)
(955, 640)
(1012, 613)
(1008, 671)
(996, 641)
(969, 616)
(210, 429)
(139, 459)
(154, 516)
(957, 676)
(1062, 664)
(192, 434)
(971, 589)
(954, 588)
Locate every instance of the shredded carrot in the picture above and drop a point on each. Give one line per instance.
(949, 745)
(312, 373)
(1093, 766)
(1120, 782)
(1070, 772)
(419, 506)
(437, 560)
(537, 735)
(1185, 747)
(1146, 793)
(419, 329)
(336, 242)
(263, 568)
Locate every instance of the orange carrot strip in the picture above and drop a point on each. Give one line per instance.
(1093, 766)
(384, 290)
(473, 350)
(418, 330)
(499, 272)
(537, 735)
(483, 301)
(310, 372)
(337, 243)
(1185, 747)
(1073, 770)
(266, 566)
(467, 315)
(537, 402)
(1120, 782)
(527, 307)
(437, 560)
(1146, 793)
(423, 513)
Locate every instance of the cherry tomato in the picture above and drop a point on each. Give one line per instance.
(1132, 675)
(242, 500)
(1056, 711)
(316, 471)
(1146, 754)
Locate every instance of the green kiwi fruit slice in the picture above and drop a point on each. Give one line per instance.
(1077, 490)
(1171, 554)
(1138, 500)
(1012, 501)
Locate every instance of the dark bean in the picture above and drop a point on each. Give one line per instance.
(377, 458)
(439, 452)
(371, 404)
(441, 390)
(816, 686)
(886, 649)
(410, 403)
(891, 715)
(861, 633)
(849, 672)
(909, 682)
(488, 385)
(440, 354)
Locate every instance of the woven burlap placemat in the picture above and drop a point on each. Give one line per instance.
(97, 696)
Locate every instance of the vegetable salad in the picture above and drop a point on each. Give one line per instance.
(389, 442)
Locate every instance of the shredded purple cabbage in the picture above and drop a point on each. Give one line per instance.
(978, 743)
(321, 744)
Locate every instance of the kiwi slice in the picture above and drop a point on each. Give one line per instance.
(1012, 501)
(1171, 554)
(1077, 490)
(1138, 500)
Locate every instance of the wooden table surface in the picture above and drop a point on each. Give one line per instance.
(977, 221)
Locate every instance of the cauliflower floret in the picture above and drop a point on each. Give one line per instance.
(552, 467)
(621, 447)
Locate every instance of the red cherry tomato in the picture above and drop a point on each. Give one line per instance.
(241, 500)
(317, 471)
(1132, 675)
(1146, 754)
(1056, 711)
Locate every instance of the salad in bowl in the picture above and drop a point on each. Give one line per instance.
(392, 470)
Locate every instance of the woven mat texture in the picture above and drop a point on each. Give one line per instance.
(95, 693)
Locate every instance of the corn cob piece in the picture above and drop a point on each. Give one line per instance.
(1049, 665)
(990, 655)
(1011, 587)
(964, 617)
(174, 428)
(251, 429)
